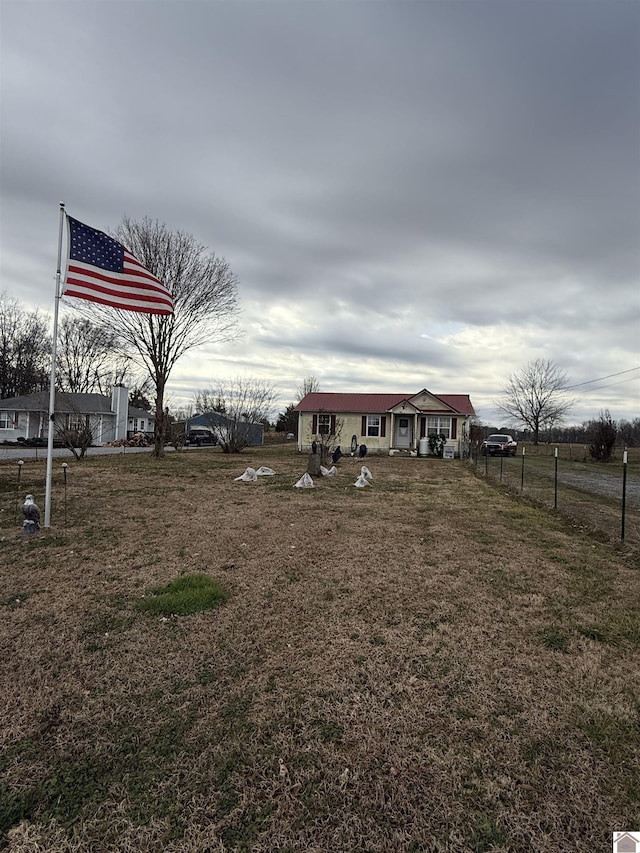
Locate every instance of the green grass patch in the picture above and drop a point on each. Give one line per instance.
(554, 638)
(486, 835)
(15, 600)
(187, 594)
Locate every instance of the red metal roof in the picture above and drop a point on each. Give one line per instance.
(375, 403)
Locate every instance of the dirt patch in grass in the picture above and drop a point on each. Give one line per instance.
(426, 664)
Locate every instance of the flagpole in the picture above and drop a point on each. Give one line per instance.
(52, 381)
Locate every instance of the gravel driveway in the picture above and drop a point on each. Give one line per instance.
(599, 482)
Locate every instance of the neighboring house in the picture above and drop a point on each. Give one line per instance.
(385, 422)
(254, 432)
(110, 418)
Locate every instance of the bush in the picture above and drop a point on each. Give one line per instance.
(602, 435)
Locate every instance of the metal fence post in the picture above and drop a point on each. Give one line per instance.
(522, 472)
(555, 480)
(20, 464)
(624, 490)
(64, 471)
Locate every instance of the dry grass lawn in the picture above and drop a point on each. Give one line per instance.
(427, 664)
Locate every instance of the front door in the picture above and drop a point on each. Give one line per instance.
(403, 432)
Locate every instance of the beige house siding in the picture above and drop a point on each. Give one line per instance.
(350, 424)
(347, 425)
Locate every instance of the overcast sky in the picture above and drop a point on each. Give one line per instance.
(412, 194)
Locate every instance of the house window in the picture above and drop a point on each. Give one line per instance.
(137, 424)
(76, 422)
(373, 426)
(324, 424)
(436, 425)
(6, 421)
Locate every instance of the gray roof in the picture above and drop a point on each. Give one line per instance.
(86, 404)
(140, 413)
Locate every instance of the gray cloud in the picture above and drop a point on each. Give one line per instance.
(410, 193)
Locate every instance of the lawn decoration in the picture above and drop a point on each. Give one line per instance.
(249, 476)
(305, 482)
(263, 471)
(328, 472)
(366, 472)
(31, 512)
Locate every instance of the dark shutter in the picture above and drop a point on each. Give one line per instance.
(423, 427)
(314, 425)
(332, 430)
(454, 427)
(363, 429)
(383, 426)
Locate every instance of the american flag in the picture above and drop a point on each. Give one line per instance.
(101, 270)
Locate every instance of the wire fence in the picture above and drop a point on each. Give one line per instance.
(602, 497)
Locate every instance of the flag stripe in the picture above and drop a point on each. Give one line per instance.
(134, 282)
(100, 269)
(83, 288)
(125, 305)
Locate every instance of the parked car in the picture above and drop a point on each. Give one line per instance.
(200, 437)
(499, 445)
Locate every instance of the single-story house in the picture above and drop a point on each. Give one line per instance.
(217, 422)
(109, 418)
(385, 422)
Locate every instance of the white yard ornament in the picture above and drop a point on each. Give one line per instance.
(305, 482)
(31, 512)
(365, 472)
(328, 472)
(263, 471)
(249, 476)
(361, 482)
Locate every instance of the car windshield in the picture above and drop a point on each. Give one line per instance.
(500, 438)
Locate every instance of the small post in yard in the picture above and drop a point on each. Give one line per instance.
(624, 490)
(20, 464)
(64, 471)
(555, 480)
(501, 464)
(522, 472)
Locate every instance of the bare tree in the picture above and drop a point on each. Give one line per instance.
(73, 428)
(25, 350)
(535, 397)
(204, 291)
(323, 443)
(629, 432)
(235, 408)
(310, 385)
(89, 359)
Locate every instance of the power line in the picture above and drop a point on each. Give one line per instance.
(611, 384)
(602, 378)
